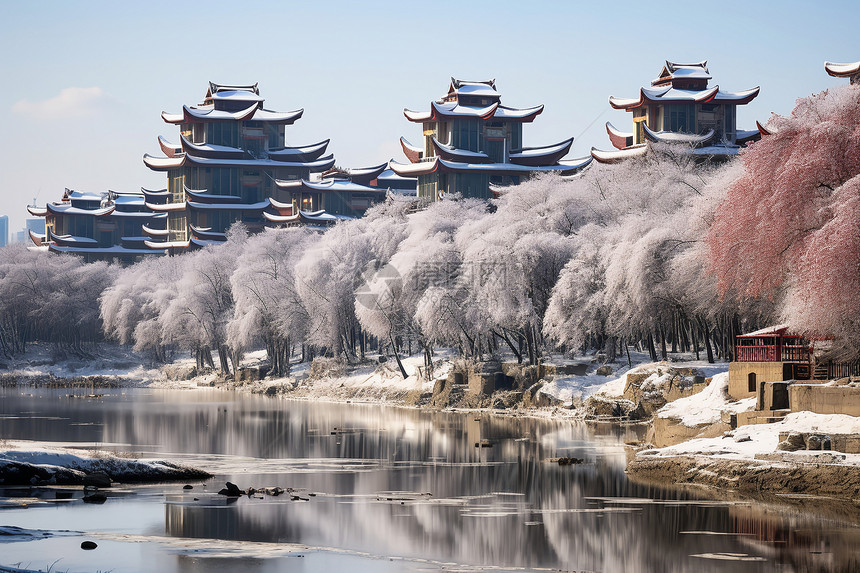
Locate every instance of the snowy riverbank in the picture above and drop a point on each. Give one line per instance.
(38, 463)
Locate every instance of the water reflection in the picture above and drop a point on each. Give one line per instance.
(412, 483)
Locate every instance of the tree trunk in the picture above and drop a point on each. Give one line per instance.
(397, 357)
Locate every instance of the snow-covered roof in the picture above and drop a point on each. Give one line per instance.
(210, 150)
(84, 196)
(166, 206)
(209, 113)
(768, 330)
(216, 87)
(339, 185)
(165, 163)
(717, 150)
(205, 197)
(71, 239)
(437, 163)
(842, 70)
(228, 206)
(128, 200)
(453, 109)
(151, 193)
(37, 211)
(66, 209)
(155, 232)
(543, 150)
(236, 95)
(670, 94)
(620, 154)
(451, 153)
(301, 153)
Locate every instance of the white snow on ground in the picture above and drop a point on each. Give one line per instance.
(569, 388)
(107, 360)
(52, 457)
(706, 406)
(747, 441)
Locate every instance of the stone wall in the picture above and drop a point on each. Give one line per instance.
(739, 377)
(824, 399)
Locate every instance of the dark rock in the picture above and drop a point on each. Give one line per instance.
(97, 498)
(232, 490)
(604, 371)
(383, 359)
(88, 545)
(813, 442)
(569, 461)
(188, 486)
(274, 491)
(97, 479)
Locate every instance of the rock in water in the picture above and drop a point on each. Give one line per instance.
(188, 486)
(97, 479)
(232, 490)
(88, 545)
(95, 498)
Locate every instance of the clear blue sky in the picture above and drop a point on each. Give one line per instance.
(84, 83)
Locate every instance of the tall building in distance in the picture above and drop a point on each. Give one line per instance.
(471, 141)
(4, 230)
(680, 107)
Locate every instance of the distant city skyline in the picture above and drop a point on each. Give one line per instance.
(86, 82)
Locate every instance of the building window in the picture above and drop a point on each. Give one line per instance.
(751, 383)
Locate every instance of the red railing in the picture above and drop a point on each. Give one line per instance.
(772, 353)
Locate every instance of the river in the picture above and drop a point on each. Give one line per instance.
(377, 488)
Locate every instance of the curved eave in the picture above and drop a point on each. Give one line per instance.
(195, 115)
(166, 206)
(163, 163)
(203, 197)
(414, 169)
(575, 165)
(228, 206)
(675, 138)
(155, 232)
(37, 211)
(541, 156)
(159, 193)
(38, 240)
(412, 153)
(737, 98)
(304, 153)
(169, 149)
(271, 217)
(161, 245)
(417, 116)
(278, 205)
(842, 70)
(74, 211)
(439, 112)
(278, 117)
(321, 216)
(618, 155)
(619, 139)
(173, 118)
(762, 129)
(339, 185)
(525, 115)
(70, 240)
(321, 164)
(364, 175)
(625, 103)
(213, 152)
(453, 154)
(207, 235)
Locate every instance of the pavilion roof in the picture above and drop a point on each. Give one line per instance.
(842, 70)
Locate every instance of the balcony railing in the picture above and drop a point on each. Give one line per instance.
(772, 353)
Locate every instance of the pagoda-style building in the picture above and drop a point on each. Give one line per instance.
(472, 141)
(102, 226)
(681, 107)
(232, 164)
(851, 71)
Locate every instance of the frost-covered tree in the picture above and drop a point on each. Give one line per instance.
(386, 304)
(787, 229)
(331, 271)
(268, 307)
